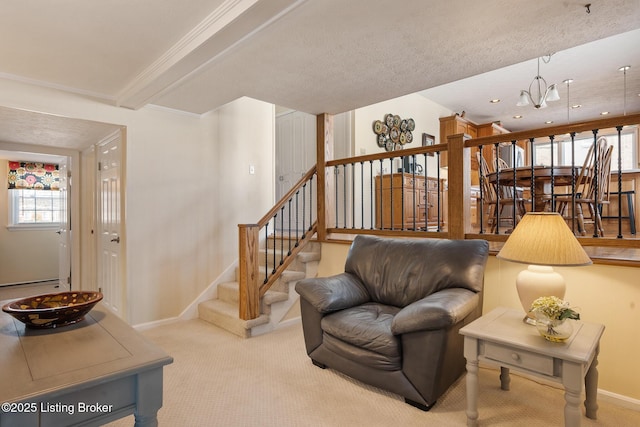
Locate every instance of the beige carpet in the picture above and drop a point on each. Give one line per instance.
(218, 379)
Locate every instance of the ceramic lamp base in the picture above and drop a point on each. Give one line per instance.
(538, 281)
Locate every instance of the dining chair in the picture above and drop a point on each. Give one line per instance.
(591, 191)
(502, 164)
(495, 212)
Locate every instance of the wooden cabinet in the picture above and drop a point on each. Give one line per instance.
(453, 125)
(405, 201)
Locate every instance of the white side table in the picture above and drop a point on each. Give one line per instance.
(502, 338)
(89, 373)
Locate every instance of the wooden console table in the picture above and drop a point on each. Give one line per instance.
(501, 337)
(90, 373)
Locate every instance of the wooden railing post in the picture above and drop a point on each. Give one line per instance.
(324, 152)
(248, 271)
(459, 203)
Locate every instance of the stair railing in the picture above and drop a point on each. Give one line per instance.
(283, 232)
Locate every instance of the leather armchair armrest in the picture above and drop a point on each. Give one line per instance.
(436, 311)
(328, 294)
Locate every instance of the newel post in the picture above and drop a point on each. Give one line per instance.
(459, 204)
(324, 152)
(248, 272)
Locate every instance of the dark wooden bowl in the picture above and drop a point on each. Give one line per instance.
(53, 310)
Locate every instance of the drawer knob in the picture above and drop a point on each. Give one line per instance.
(515, 356)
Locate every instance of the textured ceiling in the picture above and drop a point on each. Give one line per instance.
(312, 55)
(49, 130)
(597, 86)
(334, 56)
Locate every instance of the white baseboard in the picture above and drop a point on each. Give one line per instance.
(619, 400)
(155, 323)
(603, 395)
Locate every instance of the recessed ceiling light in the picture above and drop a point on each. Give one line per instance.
(494, 101)
(604, 113)
(576, 106)
(517, 117)
(548, 122)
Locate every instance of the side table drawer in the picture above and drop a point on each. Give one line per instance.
(519, 358)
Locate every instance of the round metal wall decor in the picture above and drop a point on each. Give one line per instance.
(393, 132)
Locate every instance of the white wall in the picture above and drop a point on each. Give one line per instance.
(183, 176)
(169, 186)
(424, 112)
(245, 136)
(604, 294)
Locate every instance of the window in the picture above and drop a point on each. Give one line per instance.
(562, 150)
(34, 209)
(627, 145)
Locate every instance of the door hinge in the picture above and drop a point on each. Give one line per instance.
(99, 166)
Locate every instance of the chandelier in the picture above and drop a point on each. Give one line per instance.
(539, 92)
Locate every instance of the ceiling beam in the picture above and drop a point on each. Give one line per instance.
(224, 29)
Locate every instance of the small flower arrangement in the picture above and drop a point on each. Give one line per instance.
(554, 308)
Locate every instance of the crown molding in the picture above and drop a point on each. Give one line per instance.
(146, 84)
(228, 26)
(170, 110)
(62, 88)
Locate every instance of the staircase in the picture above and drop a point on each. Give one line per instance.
(278, 304)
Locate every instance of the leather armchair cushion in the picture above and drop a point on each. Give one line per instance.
(366, 326)
(328, 294)
(399, 272)
(369, 359)
(437, 311)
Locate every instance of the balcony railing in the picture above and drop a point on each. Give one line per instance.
(552, 166)
(388, 193)
(450, 203)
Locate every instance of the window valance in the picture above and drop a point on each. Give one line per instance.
(33, 176)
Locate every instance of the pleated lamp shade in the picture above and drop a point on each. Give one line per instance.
(543, 238)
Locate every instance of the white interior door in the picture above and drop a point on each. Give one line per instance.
(295, 148)
(64, 231)
(110, 270)
(295, 155)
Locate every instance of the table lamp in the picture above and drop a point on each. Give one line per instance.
(542, 240)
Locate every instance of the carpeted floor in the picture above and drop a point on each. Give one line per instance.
(218, 379)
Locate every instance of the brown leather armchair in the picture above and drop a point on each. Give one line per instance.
(392, 318)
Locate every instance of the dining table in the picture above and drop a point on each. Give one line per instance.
(546, 181)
